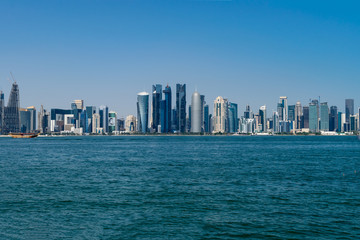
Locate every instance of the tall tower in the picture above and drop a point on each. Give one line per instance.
(12, 111)
(2, 103)
(284, 103)
(298, 114)
(167, 117)
(220, 114)
(349, 109)
(263, 122)
(156, 99)
(195, 113)
(181, 107)
(143, 111)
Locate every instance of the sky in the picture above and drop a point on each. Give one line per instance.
(250, 52)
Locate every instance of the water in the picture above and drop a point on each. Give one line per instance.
(180, 188)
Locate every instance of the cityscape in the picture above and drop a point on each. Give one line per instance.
(156, 114)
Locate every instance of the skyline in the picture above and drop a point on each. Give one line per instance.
(249, 53)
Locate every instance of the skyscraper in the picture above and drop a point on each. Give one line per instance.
(314, 116)
(324, 116)
(2, 106)
(206, 119)
(247, 113)
(283, 113)
(181, 107)
(12, 113)
(96, 123)
(104, 118)
(143, 111)
(112, 121)
(167, 117)
(333, 119)
(90, 111)
(130, 124)
(305, 117)
(233, 117)
(79, 104)
(220, 114)
(298, 115)
(196, 113)
(262, 115)
(156, 99)
(202, 104)
(349, 108)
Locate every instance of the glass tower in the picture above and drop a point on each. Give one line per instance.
(156, 99)
(349, 109)
(324, 116)
(313, 116)
(167, 116)
(181, 107)
(143, 111)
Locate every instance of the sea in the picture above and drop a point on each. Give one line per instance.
(180, 187)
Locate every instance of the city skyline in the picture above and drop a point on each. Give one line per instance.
(247, 52)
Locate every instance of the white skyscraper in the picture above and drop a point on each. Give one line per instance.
(220, 114)
(195, 113)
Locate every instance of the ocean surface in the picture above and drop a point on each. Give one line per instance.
(184, 187)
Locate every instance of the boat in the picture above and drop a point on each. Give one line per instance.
(24, 135)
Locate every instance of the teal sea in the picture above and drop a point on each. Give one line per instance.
(190, 187)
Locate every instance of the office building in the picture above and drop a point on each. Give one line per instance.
(333, 119)
(206, 119)
(247, 113)
(79, 104)
(96, 129)
(2, 108)
(130, 124)
(90, 111)
(143, 112)
(112, 121)
(220, 115)
(11, 112)
(156, 99)
(167, 109)
(283, 109)
(202, 104)
(233, 118)
(262, 119)
(181, 107)
(196, 113)
(298, 115)
(104, 118)
(349, 108)
(324, 116)
(314, 116)
(24, 120)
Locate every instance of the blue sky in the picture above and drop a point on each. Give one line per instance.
(250, 52)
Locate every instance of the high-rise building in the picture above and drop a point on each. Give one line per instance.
(305, 118)
(79, 104)
(2, 106)
(206, 119)
(188, 120)
(276, 124)
(120, 125)
(349, 108)
(24, 120)
(220, 114)
(84, 124)
(314, 116)
(143, 111)
(333, 119)
(324, 116)
(196, 113)
(130, 124)
(202, 104)
(181, 107)
(156, 99)
(247, 113)
(298, 115)
(112, 121)
(90, 111)
(96, 124)
(104, 118)
(283, 111)
(11, 112)
(233, 118)
(167, 111)
(262, 118)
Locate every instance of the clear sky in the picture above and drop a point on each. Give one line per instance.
(250, 52)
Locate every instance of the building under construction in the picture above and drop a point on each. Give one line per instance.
(10, 115)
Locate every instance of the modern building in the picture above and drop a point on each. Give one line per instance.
(276, 126)
(196, 113)
(156, 99)
(262, 118)
(104, 118)
(305, 118)
(167, 110)
(202, 105)
(2, 108)
(90, 111)
(79, 104)
(324, 116)
(57, 119)
(120, 124)
(314, 116)
(349, 108)
(220, 115)
(130, 124)
(112, 121)
(283, 108)
(181, 107)
(298, 115)
(206, 119)
(24, 120)
(96, 124)
(247, 113)
(333, 118)
(43, 120)
(11, 112)
(233, 118)
(143, 111)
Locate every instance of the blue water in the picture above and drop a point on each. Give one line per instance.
(180, 188)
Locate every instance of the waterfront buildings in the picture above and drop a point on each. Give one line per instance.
(130, 124)
(2, 107)
(156, 102)
(112, 121)
(181, 107)
(166, 110)
(220, 115)
(262, 119)
(324, 116)
(143, 111)
(104, 118)
(333, 119)
(349, 109)
(96, 124)
(11, 111)
(314, 116)
(195, 113)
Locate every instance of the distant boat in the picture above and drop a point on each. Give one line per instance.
(24, 135)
